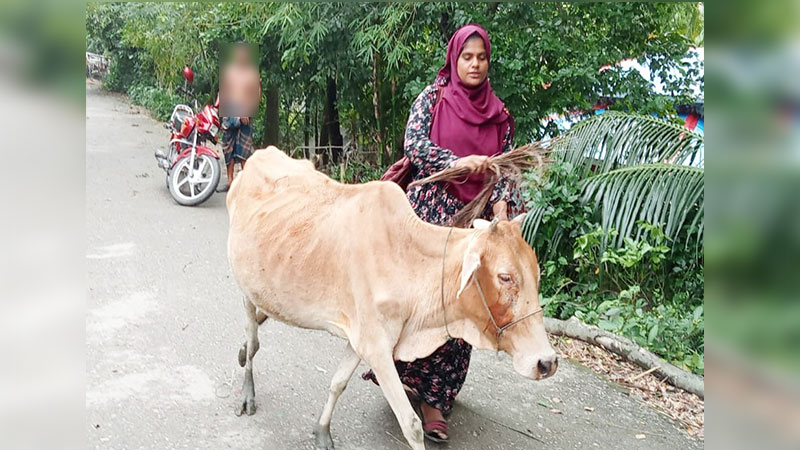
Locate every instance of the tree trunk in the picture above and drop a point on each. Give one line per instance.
(306, 124)
(323, 128)
(444, 26)
(376, 107)
(394, 122)
(272, 117)
(331, 133)
(626, 348)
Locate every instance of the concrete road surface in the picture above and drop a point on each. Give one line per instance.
(164, 323)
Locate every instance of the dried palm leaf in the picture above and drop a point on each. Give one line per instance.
(506, 165)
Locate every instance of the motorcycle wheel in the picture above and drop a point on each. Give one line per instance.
(192, 190)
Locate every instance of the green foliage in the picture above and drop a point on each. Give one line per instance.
(555, 210)
(649, 288)
(545, 56)
(358, 172)
(617, 224)
(644, 290)
(157, 100)
(628, 168)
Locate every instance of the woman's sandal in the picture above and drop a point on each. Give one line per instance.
(435, 430)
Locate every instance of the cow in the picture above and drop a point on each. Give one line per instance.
(356, 261)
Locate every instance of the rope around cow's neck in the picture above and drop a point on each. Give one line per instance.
(444, 258)
(500, 330)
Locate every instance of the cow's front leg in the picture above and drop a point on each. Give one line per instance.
(322, 431)
(247, 402)
(384, 369)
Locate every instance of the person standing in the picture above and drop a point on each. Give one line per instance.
(240, 95)
(457, 121)
(237, 144)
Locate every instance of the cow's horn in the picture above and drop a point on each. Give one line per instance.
(520, 218)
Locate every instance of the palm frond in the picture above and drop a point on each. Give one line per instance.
(632, 167)
(666, 195)
(612, 140)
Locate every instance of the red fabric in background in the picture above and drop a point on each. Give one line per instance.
(691, 121)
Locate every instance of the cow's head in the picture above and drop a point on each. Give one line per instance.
(503, 266)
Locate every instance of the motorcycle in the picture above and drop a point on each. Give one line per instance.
(193, 170)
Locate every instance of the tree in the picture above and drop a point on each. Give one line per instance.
(368, 61)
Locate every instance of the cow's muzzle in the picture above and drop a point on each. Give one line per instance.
(537, 366)
(547, 367)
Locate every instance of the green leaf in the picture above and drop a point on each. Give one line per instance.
(651, 336)
(698, 312)
(606, 325)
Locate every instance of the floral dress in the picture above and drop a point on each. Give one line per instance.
(437, 379)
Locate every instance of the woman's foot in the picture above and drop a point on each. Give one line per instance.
(433, 423)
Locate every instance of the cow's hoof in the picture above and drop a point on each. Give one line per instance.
(246, 405)
(322, 438)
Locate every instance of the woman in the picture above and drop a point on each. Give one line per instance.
(456, 121)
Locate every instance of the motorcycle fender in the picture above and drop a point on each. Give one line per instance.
(200, 151)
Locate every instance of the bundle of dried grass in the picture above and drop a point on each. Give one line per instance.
(506, 165)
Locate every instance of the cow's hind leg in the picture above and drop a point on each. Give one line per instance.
(260, 318)
(247, 402)
(322, 430)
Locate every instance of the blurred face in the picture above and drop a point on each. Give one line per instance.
(241, 57)
(240, 87)
(473, 65)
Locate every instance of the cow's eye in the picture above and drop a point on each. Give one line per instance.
(505, 278)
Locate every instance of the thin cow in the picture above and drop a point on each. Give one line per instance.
(393, 286)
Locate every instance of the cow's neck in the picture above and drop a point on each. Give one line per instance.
(425, 329)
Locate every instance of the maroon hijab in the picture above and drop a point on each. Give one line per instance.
(468, 121)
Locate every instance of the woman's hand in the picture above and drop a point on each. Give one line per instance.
(474, 163)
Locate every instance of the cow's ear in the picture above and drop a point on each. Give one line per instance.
(480, 224)
(472, 260)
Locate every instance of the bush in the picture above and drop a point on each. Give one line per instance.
(650, 289)
(157, 100)
(358, 172)
(128, 67)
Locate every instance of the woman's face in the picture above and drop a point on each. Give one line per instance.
(473, 65)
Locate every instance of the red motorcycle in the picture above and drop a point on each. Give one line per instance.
(193, 170)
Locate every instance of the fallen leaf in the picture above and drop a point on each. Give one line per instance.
(320, 369)
(588, 408)
(640, 436)
(555, 411)
(544, 404)
(556, 400)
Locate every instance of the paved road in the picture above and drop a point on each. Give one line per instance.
(164, 323)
